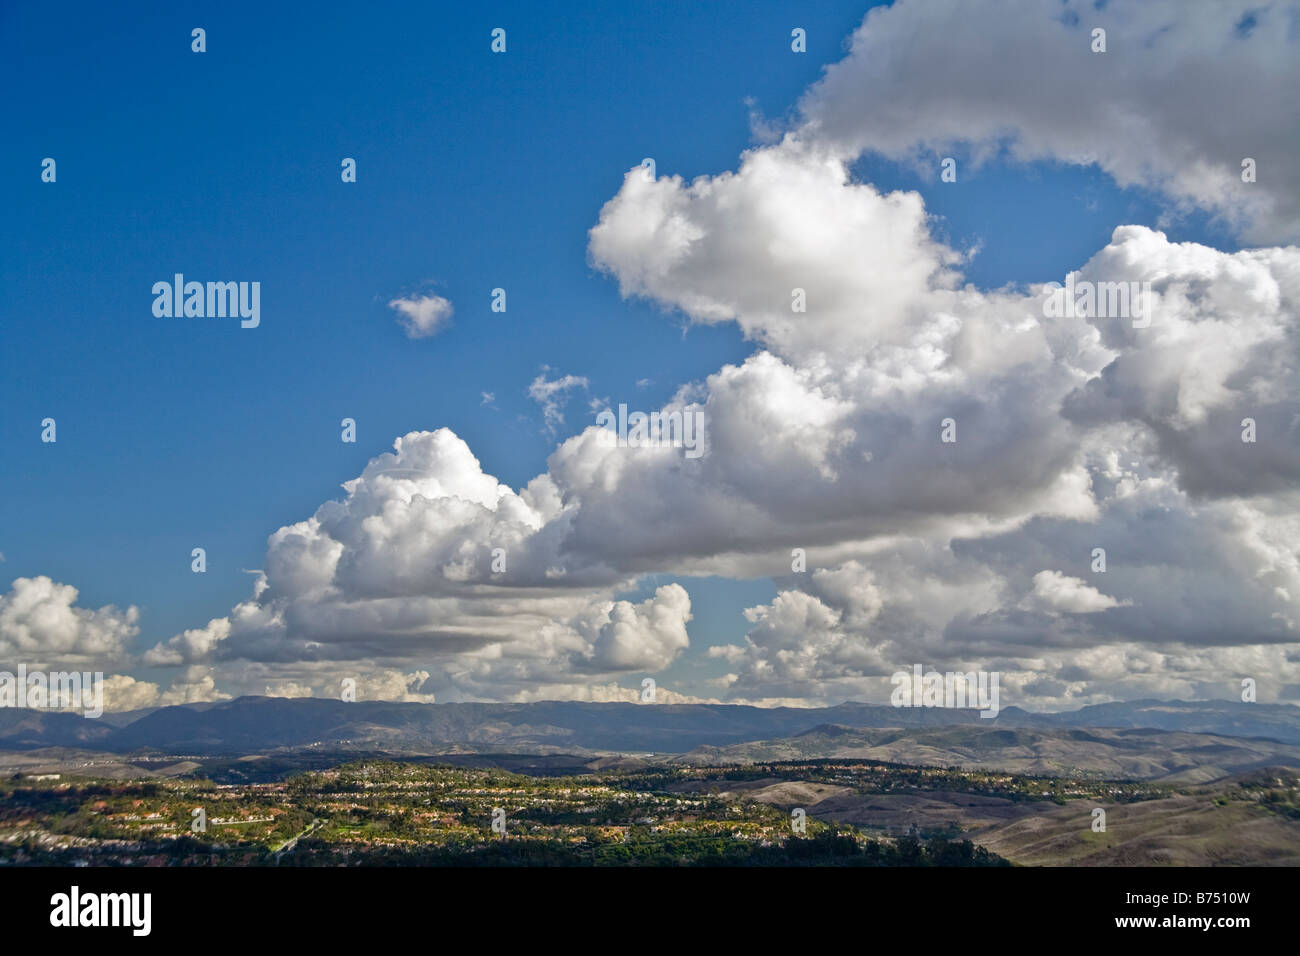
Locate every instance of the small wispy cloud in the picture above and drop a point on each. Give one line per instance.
(549, 393)
(422, 316)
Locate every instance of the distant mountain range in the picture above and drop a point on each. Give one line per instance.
(1113, 753)
(250, 725)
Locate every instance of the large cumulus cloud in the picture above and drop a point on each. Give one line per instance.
(1073, 432)
(42, 625)
(1184, 92)
(427, 560)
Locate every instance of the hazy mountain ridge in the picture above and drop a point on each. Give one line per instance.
(267, 724)
(1112, 753)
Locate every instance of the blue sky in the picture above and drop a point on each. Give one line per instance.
(475, 171)
(473, 174)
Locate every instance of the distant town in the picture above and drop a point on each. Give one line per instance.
(382, 811)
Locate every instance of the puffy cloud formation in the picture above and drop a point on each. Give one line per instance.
(625, 637)
(423, 315)
(1221, 347)
(124, 692)
(1073, 430)
(1056, 592)
(289, 689)
(832, 433)
(1192, 596)
(192, 685)
(856, 253)
(190, 645)
(812, 643)
(610, 693)
(41, 625)
(428, 559)
(374, 684)
(1175, 103)
(1045, 405)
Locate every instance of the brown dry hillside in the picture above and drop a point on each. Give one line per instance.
(1177, 831)
(1248, 820)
